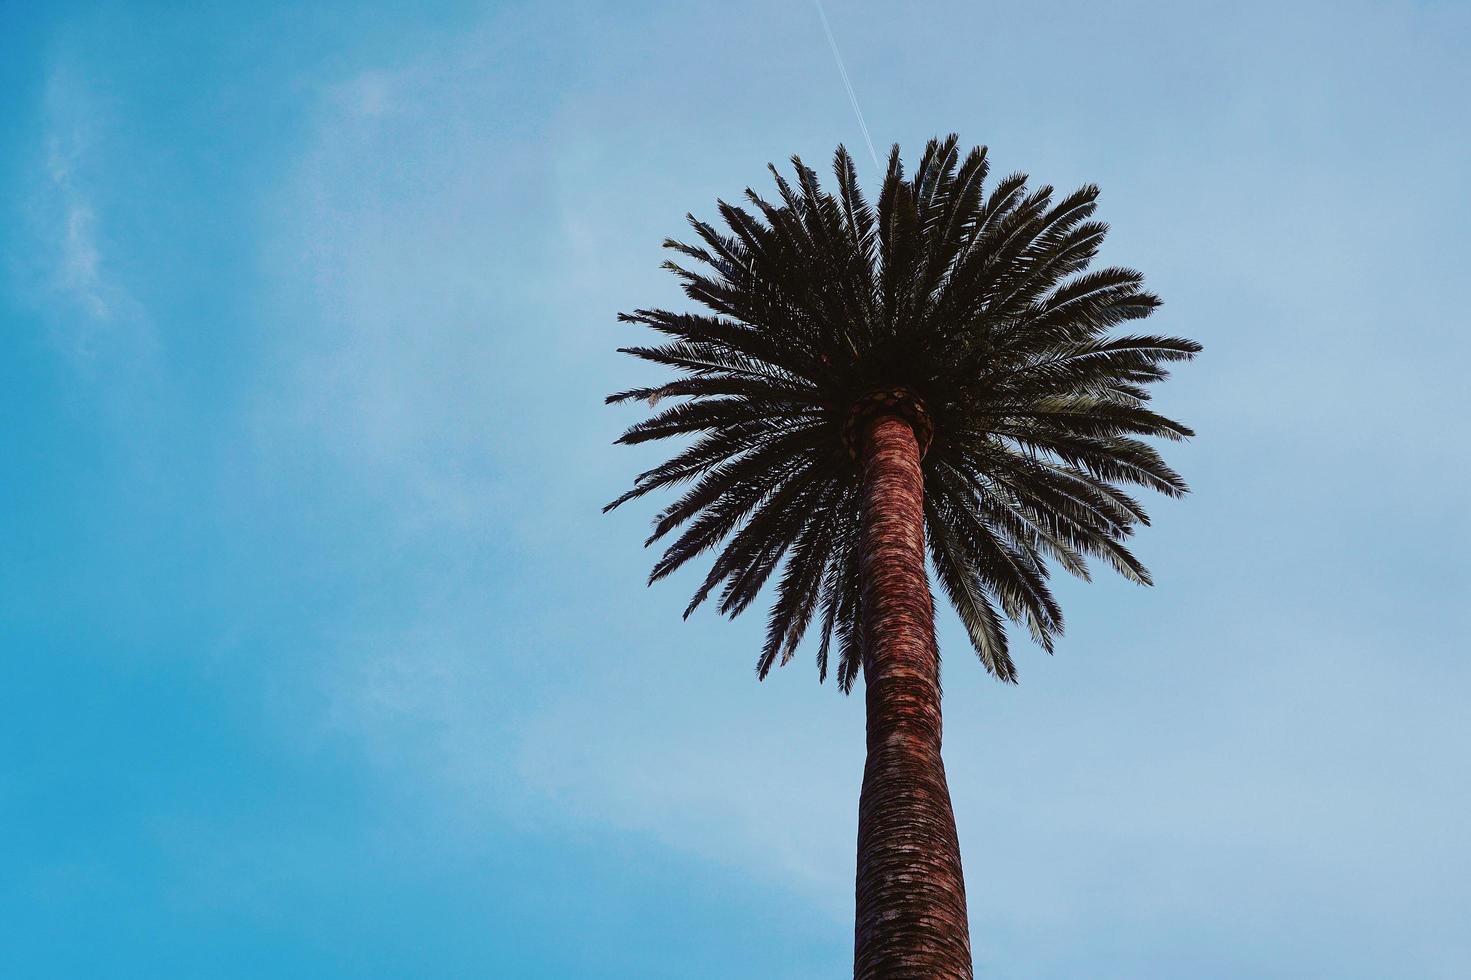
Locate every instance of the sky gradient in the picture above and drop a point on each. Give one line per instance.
(320, 660)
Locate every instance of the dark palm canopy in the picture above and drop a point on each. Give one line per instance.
(970, 313)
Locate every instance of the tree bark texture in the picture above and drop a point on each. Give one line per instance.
(911, 919)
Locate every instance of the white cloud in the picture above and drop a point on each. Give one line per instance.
(388, 254)
(77, 272)
(69, 276)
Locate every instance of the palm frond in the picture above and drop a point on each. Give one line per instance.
(979, 302)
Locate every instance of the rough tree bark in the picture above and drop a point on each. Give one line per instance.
(911, 919)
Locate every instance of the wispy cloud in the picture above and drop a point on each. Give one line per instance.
(77, 271)
(459, 273)
(69, 275)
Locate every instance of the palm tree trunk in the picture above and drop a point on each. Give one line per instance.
(911, 919)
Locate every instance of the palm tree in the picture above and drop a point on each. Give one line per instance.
(865, 384)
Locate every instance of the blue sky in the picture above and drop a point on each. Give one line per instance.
(321, 662)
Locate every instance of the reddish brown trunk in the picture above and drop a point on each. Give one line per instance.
(911, 919)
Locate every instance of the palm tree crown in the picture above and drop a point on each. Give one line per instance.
(972, 315)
